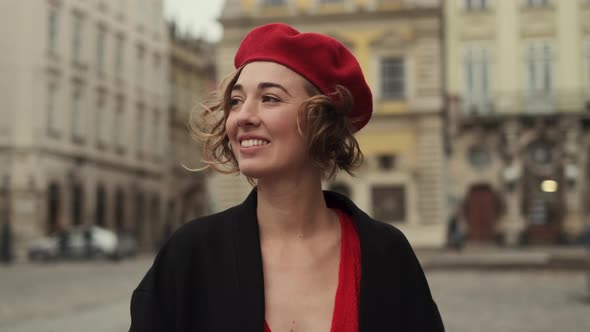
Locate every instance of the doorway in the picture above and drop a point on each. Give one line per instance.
(481, 211)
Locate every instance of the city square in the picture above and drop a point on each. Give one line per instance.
(95, 296)
(477, 150)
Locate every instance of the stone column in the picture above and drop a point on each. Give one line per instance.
(430, 185)
(25, 202)
(512, 223)
(573, 223)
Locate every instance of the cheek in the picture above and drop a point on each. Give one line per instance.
(230, 126)
(290, 134)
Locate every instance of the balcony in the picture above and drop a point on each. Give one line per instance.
(526, 102)
(524, 107)
(403, 4)
(478, 107)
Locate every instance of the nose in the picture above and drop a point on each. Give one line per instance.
(248, 114)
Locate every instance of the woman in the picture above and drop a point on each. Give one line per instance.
(291, 257)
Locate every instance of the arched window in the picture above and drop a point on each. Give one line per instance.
(156, 230)
(77, 204)
(100, 206)
(53, 207)
(139, 215)
(119, 210)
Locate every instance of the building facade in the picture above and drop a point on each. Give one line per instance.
(518, 78)
(192, 78)
(84, 98)
(398, 45)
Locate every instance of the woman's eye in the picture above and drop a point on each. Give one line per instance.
(270, 99)
(234, 102)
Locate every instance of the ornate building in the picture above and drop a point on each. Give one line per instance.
(192, 76)
(83, 107)
(398, 44)
(518, 78)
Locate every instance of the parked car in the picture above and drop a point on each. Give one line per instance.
(126, 245)
(83, 242)
(44, 249)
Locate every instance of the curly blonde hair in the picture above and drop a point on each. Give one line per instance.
(322, 122)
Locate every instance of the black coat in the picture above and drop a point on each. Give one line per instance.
(208, 277)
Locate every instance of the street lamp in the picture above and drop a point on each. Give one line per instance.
(549, 186)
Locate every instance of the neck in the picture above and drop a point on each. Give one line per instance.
(292, 207)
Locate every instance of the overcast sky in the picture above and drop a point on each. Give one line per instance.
(196, 16)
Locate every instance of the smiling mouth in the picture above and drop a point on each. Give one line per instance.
(253, 142)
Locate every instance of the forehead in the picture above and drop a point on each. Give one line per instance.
(263, 71)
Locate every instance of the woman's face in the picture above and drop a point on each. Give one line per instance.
(262, 122)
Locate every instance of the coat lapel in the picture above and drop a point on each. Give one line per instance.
(373, 314)
(249, 266)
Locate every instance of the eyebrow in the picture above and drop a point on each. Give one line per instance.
(262, 86)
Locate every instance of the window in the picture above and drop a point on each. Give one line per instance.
(143, 13)
(77, 204)
(392, 78)
(139, 65)
(139, 130)
(477, 80)
(77, 109)
(155, 132)
(118, 123)
(100, 206)
(119, 210)
(476, 4)
(479, 157)
(119, 52)
(100, 125)
(77, 38)
(174, 91)
(52, 108)
(156, 13)
(52, 30)
(537, 3)
(386, 162)
(156, 74)
(541, 152)
(275, 2)
(539, 69)
(100, 48)
(389, 203)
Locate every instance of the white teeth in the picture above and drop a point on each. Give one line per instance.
(252, 142)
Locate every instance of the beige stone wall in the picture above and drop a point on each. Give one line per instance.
(192, 78)
(39, 151)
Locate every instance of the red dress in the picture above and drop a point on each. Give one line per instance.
(345, 316)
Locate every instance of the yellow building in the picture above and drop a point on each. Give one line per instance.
(192, 75)
(518, 78)
(398, 44)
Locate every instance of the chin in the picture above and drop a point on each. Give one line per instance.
(258, 171)
(254, 172)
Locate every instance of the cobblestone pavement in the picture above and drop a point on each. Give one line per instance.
(95, 297)
(541, 301)
(88, 296)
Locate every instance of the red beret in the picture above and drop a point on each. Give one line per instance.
(321, 59)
